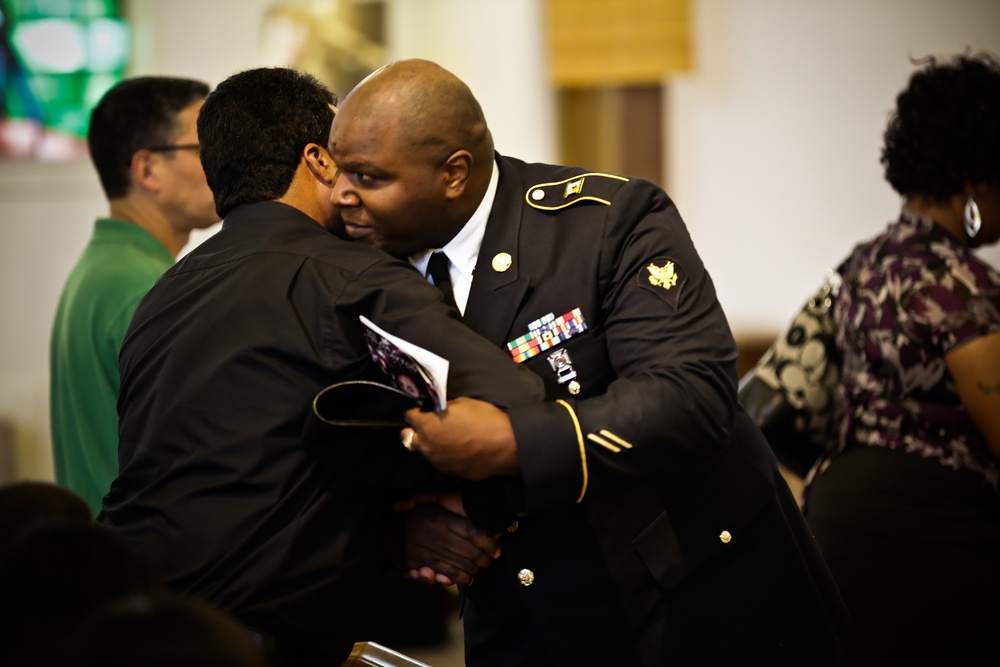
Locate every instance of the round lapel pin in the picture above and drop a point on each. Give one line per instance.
(502, 262)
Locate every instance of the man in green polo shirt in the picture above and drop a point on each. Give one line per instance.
(143, 143)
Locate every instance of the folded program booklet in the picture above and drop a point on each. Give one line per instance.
(417, 378)
(370, 653)
(415, 370)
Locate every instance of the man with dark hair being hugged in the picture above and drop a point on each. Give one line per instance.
(223, 479)
(144, 146)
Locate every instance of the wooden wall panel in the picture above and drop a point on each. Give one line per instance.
(617, 42)
(618, 130)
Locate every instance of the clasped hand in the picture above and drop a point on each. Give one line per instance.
(439, 544)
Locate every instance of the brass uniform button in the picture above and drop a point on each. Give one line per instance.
(538, 194)
(512, 527)
(574, 387)
(725, 537)
(526, 577)
(502, 262)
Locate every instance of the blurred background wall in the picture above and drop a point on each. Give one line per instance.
(769, 139)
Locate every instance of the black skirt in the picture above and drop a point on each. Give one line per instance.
(914, 547)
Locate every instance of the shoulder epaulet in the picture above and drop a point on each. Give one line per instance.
(582, 187)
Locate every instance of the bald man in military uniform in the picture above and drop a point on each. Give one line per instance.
(646, 522)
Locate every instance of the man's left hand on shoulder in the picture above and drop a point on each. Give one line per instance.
(470, 439)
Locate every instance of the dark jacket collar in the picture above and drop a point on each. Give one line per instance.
(496, 295)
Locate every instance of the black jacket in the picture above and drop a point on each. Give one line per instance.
(224, 477)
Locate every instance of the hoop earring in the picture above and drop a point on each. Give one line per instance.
(973, 222)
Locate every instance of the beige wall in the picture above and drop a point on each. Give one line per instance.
(772, 141)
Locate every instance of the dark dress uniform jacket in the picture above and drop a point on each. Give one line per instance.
(222, 479)
(653, 526)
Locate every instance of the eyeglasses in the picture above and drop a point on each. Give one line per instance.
(173, 147)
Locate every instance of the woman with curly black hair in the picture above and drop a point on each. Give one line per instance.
(907, 510)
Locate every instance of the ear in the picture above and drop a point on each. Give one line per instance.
(320, 164)
(456, 170)
(144, 171)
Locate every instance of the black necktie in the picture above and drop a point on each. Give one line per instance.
(437, 268)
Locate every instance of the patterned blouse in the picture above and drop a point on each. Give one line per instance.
(909, 296)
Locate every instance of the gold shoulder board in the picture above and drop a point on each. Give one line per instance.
(582, 187)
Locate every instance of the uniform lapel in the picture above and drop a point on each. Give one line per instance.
(496, 295)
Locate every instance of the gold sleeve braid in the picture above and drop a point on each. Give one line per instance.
(579, 439)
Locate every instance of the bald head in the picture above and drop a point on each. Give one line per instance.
(414, 158)
(433, 110)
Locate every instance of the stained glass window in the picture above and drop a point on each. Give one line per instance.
(57, 57)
